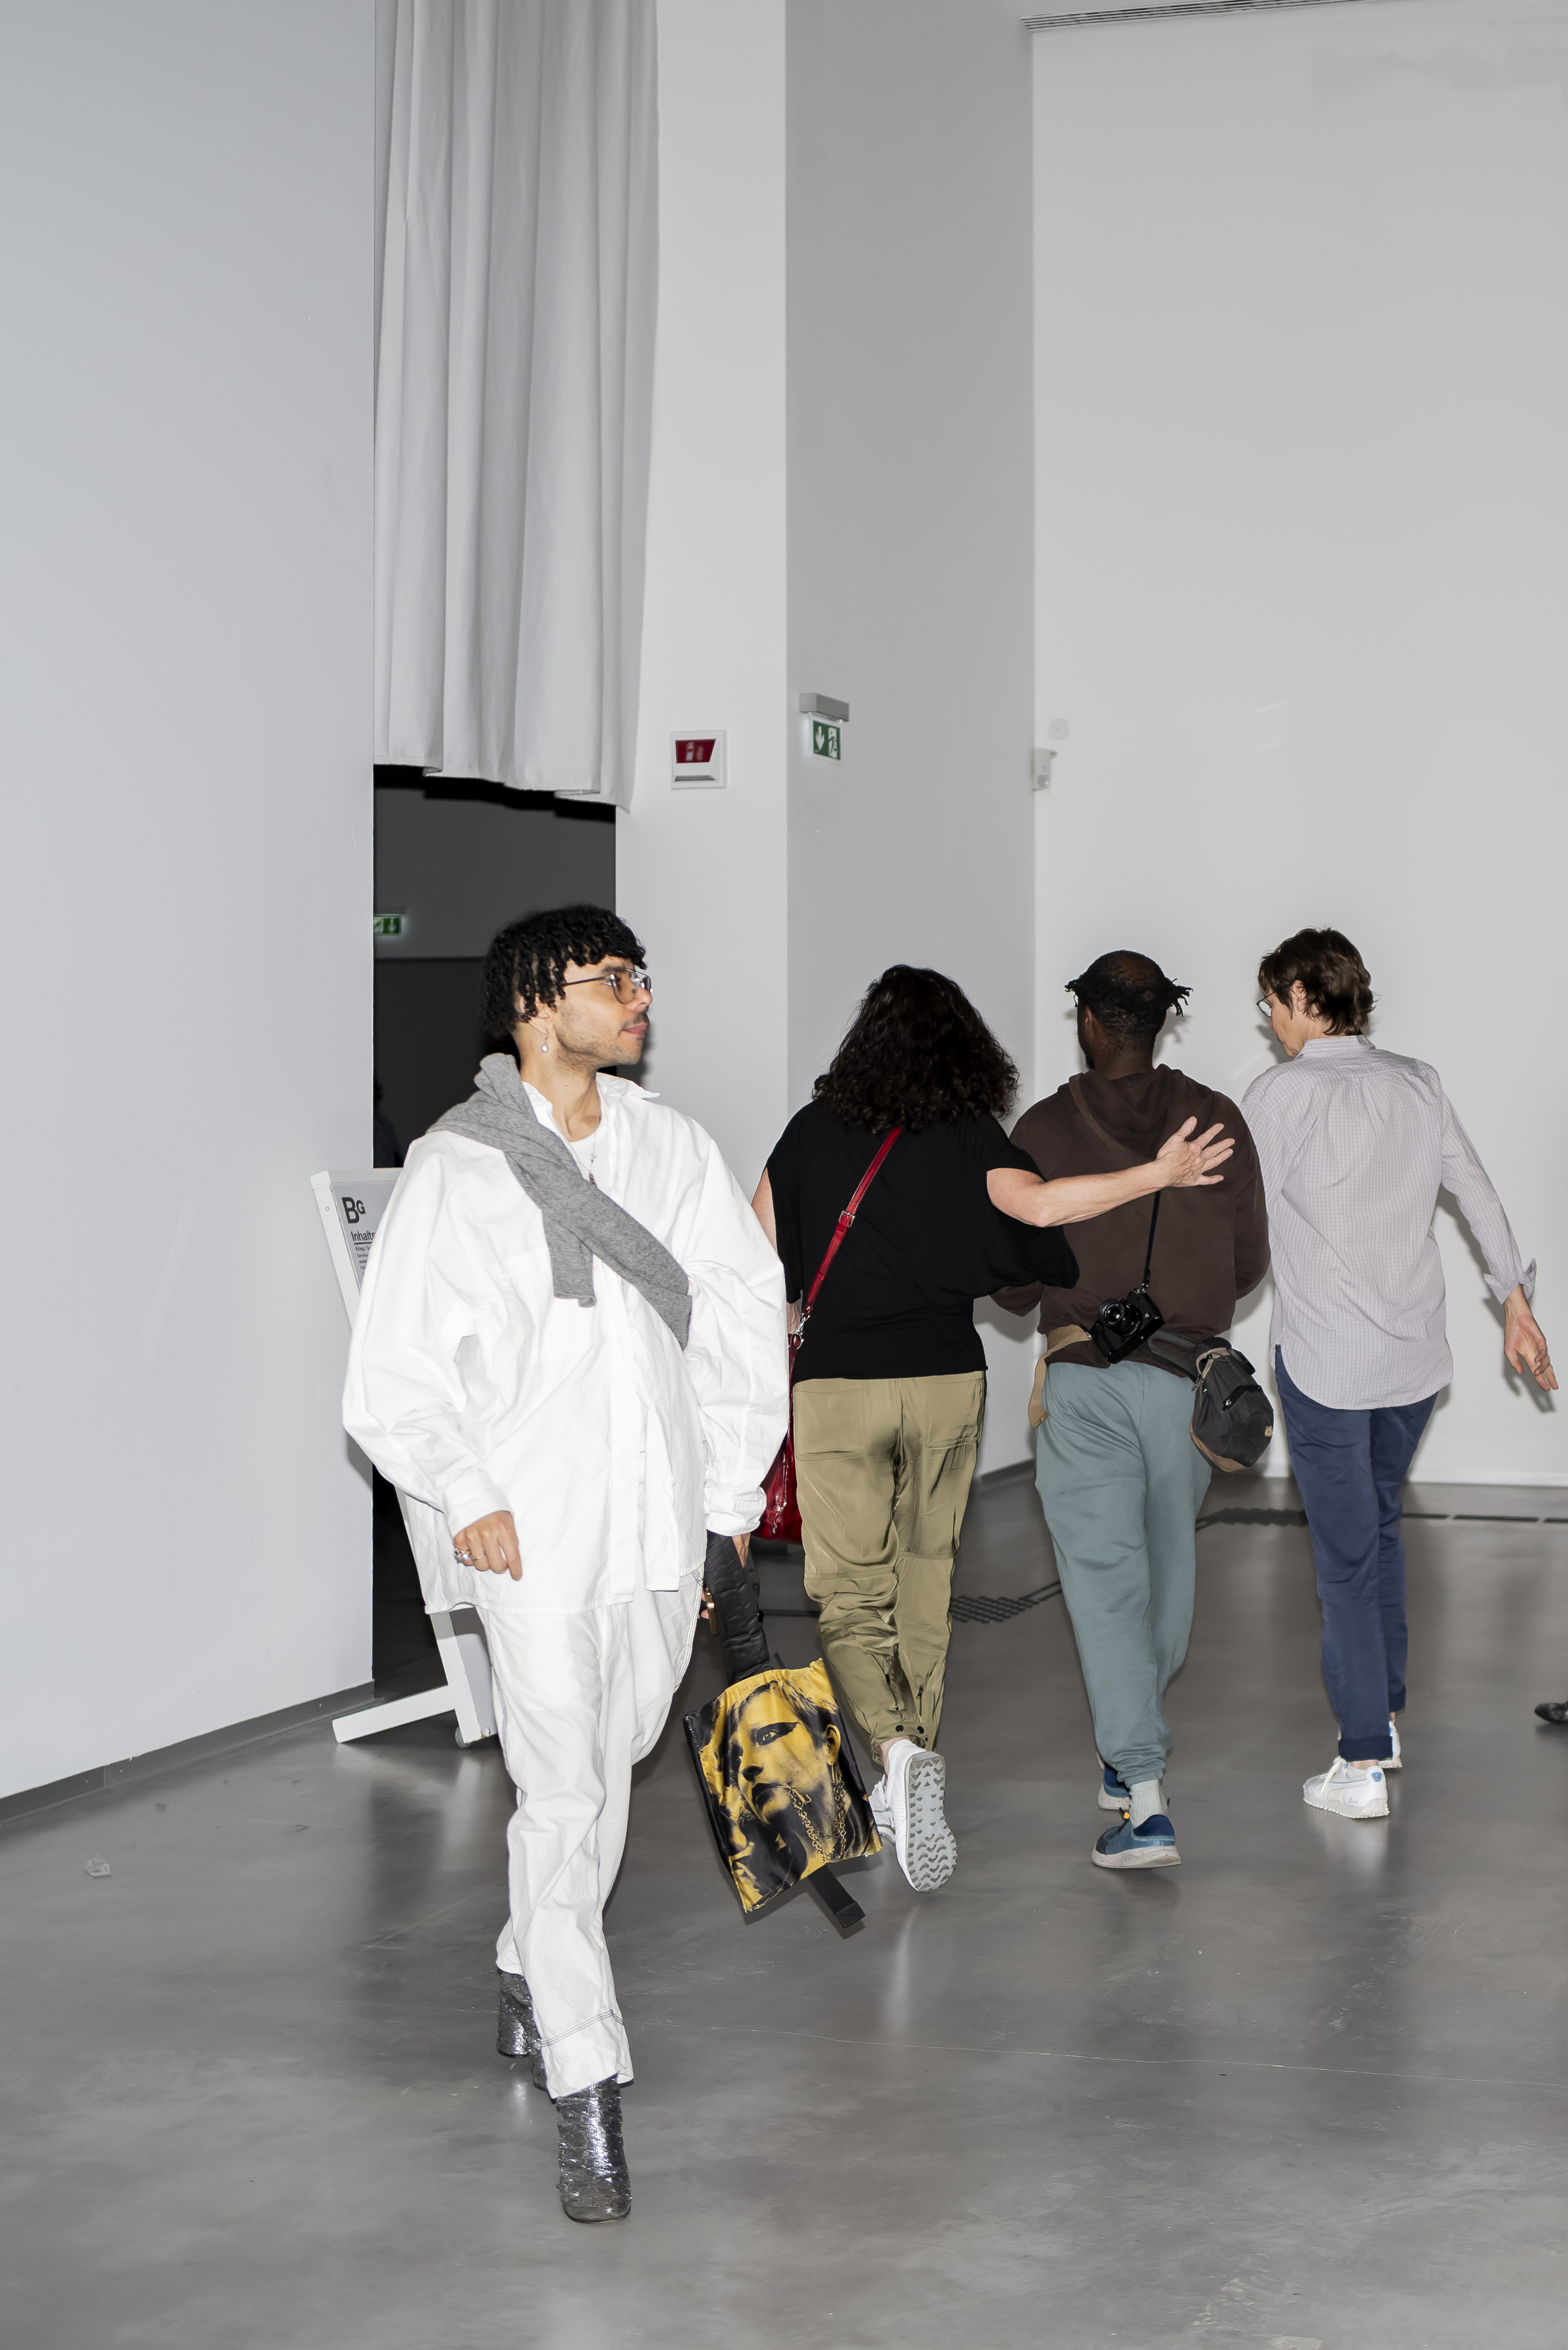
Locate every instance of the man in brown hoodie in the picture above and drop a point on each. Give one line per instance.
(1119, 1476)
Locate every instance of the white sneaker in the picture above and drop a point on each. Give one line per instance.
(916, 1783)
(881, 1809)
(1355, 1796)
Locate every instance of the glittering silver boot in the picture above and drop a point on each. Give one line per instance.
(595, 2182)
(516, 2033)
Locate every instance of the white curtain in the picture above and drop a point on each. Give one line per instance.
(516, 257)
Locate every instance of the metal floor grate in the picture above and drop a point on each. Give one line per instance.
(1252, 1518)
(967, 1609)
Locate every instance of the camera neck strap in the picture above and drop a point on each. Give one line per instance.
(1149, 1253)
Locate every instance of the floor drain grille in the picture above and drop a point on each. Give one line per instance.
(970, 1610)
(1252, 1518)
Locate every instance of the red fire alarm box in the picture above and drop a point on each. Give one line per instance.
(697, 762)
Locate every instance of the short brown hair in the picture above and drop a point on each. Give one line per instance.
(1337, 983)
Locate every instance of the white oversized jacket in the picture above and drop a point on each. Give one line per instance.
(473, 1387)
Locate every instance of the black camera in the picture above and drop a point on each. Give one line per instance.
(1125, 1324)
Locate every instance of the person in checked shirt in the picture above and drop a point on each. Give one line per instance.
(1355, 1145)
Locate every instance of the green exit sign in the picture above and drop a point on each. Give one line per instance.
(824, 739)
(391, 926)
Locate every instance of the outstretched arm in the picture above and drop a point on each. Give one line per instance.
(1183, 1161)
(1524, 1342)
(1511, 1281)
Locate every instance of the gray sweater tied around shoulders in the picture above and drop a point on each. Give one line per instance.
(580, 1221)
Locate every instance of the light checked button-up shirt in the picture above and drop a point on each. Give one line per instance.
(1354, 1146)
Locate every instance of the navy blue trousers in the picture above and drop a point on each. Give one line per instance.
(1350, 1467)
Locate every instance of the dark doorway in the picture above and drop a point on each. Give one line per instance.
(454, 863)
(430, 1040)
(403, 1652)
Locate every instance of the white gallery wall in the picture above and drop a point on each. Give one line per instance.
(1302, 337)
(877, 157)
(910, 547)
(910, 542)
(185, 196)
(700, 875)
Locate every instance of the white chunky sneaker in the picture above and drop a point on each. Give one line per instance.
(1395, 1762)
(881, 1809)
(922, 1839)
(1352, 1795)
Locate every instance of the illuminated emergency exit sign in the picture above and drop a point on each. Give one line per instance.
(824, 739)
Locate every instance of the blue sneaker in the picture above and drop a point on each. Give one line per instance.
(1113, 1797)
(1151, 1847)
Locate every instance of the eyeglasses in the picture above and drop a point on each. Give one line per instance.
(1266, 1007)
(626, 986)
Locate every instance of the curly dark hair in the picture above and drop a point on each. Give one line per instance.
(1129, 994)
(528, 960)
(919, 1055)
(1337, 983)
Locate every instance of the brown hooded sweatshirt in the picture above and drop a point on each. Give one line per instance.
(1211, 1246)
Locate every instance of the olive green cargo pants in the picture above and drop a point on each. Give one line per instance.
(883, 1469)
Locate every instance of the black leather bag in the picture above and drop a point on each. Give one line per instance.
(1232, 1419)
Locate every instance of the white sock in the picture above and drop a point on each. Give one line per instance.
(1146, 1799)
(1360, 1770)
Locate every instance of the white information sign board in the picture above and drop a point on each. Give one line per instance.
(352, 1204)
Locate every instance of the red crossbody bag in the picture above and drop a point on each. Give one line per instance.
(781, 1504)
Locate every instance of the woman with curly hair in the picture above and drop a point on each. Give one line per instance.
(890, 1378)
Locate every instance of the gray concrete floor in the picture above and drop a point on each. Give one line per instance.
(1306, 2090)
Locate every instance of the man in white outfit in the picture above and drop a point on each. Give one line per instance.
(576, 1372)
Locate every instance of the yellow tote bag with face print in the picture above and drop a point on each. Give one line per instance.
(783, 1788)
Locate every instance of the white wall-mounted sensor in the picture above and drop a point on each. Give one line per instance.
(1042, 763)
(697, 762)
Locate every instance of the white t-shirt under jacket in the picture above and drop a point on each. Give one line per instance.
(474, 1388)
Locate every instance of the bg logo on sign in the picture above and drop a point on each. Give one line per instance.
(352, 1209)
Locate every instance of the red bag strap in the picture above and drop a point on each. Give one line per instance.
(841, 1230)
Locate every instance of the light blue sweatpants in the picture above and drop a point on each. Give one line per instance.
(1121, 1482)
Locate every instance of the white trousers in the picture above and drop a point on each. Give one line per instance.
(578, 1699)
